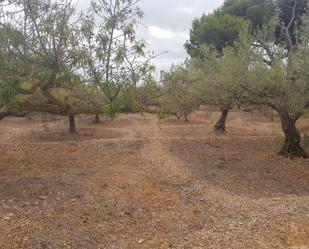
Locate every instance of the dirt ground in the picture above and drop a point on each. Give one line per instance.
(137, 182)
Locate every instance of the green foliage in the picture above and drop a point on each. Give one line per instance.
(10, 40)
(8, 92)
(68, 79)
(113, 109)
(222, 28)
(180, 97)
(113, 58)
(240, 74)
(149, 93)
(252, 70)
(216, 30)
(129, 101)
(53, 59)
(126, 102)
(11, 60)
(221, 75)
(271, 86)
(256, 11)
(40, 47)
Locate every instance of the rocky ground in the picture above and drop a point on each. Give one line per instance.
(137, 182)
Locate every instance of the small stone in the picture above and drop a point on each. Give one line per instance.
(8, 217)
(42, 197)
(141, 241)
(277, 199)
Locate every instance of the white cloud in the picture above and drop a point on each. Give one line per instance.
(161, 33)
(187, 10)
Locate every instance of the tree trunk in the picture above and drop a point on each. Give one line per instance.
(97, 119)
(186, 117)
(4, 115)
(220, 125)
(72, 125)
(272, 118)
(291, 147)
(177, 115)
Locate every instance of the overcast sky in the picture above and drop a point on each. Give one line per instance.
(167, 25)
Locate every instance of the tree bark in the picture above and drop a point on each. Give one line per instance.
(177, 116)
(97, 119)
(186, 117)
(291, 147)
(220, 125)
(4, 115)
(72, 125)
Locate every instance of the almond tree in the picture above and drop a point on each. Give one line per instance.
(115, 60)
(40, 59)
(58, 62)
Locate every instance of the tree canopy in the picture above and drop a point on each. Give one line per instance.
(256, 11)
(223, 27)
(56, 60)
(216, 30)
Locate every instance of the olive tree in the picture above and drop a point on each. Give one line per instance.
(278, 81)
(286, 93)
(219, 79)
(148, 94)
(259, 70)
(180, 96)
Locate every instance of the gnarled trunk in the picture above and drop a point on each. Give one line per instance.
(177, 115)
(4, 115)
(97, 119)
(220, 125)
(291, 147)
(72, 125)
